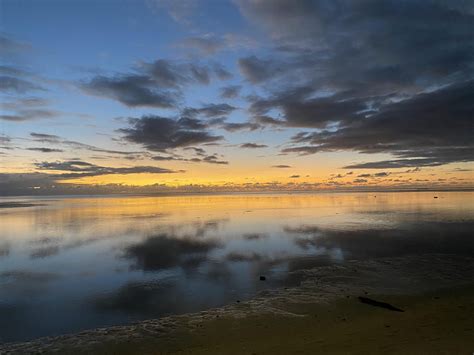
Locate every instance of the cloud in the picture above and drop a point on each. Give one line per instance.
(160, 133)
(210, 159)
(369, 76)
(131, 90)
(256, 70)
(77, 168)
(16, 80)
(230, 92)
(398, 163)
(54, 139)
(428, 129)
(301, 111)
(210, 110)
(294, 176)
(42, 137)
(213, 159)
(281, 166)
(22, 115)
(221, 72)
(244, 126)
(151, 84)
(253, 145)
(45, 150)
(386, 42)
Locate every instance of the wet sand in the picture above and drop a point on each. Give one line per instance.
(322, 315)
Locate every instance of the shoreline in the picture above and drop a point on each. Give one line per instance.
(238, 192)
(322, 313)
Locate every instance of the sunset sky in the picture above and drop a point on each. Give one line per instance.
(214, 95)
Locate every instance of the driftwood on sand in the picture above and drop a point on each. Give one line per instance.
(375, 303)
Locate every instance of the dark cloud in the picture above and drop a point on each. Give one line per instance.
(221, 72)
(42, 137)
(29, 114)
(210, 110)
(201, 74)
(244, 126)
(151, 84)
(428, 129)
(370, 74)
(131, 90)
(386, 42)
(165, 73)
(203, 158)
(79, 168)
(281, 166)
(268, 121)
(231, 91)
(398, 163)
(253, 145)
(54, 139)
(197, 151)
(340, 176)
(256, 70)
(164, 158)
(294, 176)
(214, 159)
(160, 133)
(300, 111)
(46, 150)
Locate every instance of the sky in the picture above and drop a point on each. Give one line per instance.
(246, 95)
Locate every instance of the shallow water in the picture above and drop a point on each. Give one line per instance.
(68, 264)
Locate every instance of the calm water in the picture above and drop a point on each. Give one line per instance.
(68, 264)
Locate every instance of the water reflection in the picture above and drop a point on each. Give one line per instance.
(76, 263)
(165, 251)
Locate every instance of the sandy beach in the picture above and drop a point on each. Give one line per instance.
(322, 315)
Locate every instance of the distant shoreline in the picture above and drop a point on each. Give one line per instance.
(225, 193)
